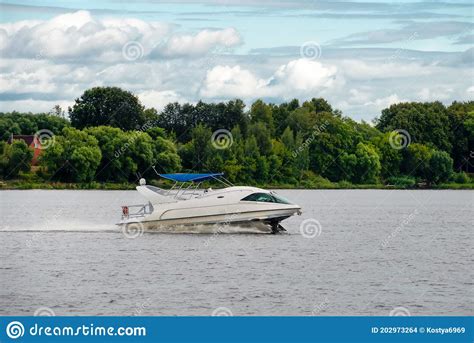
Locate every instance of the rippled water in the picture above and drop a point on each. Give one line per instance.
(377, 250)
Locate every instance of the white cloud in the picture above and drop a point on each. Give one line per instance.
(305, 75)
(199, 44)
(297, 77)
(80, 36)
(435, 94)
(159, 99)
(225, 81)
(35, 106)
(45, 62)
(384, 102)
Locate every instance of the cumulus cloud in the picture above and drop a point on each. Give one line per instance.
(384, 102)
(297, 77)
(439, 93)
(49, 62)
(159, 99)
(80, 36)
(226, 81)
(200, 43)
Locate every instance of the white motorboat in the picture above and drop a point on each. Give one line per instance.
(185, 205)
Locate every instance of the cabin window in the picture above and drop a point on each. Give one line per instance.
(265, 197)
(280, 199)
(262, 197)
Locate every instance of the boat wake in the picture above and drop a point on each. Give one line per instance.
(211, 229)
(60, 227)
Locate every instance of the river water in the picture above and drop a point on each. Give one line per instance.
(351, 252)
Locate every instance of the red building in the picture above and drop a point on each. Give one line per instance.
(32, 141)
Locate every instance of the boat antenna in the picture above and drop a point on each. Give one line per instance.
(155, 170)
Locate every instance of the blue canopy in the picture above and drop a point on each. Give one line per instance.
(190, 177)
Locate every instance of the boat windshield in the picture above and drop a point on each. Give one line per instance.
(265, 197)
(281, 200)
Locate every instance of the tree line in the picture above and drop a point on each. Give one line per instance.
(111, 137)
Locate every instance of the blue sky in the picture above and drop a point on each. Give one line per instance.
(360, 55)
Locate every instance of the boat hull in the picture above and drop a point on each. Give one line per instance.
(249, 222)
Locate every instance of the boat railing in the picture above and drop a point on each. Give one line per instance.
(136, 211)
(185, 190)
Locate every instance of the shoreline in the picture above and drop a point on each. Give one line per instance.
(22, 185)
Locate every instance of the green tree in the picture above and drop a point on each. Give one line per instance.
(165, 156)
(201, 146)
(107, 106)
(321, 105)
(262, 134)
(261, 112)
(427, 123)
(368, 164)
(416, 160)
(73, 157)
(390, 158)
(116, 163)
(333, 140)
(28, 124)
(461, 116)
(440, 167)
(16, 157)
